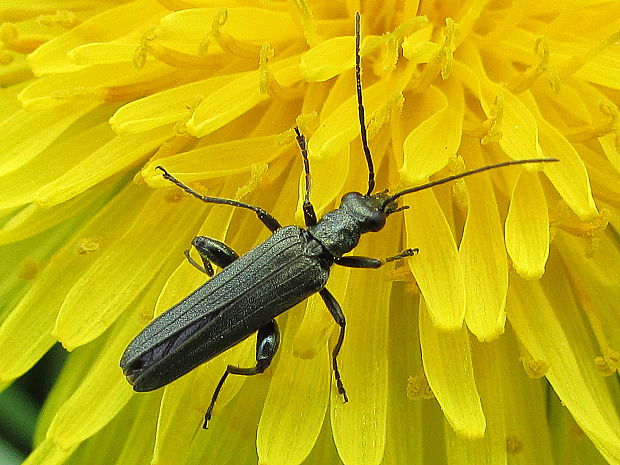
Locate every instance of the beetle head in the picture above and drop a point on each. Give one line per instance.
(370, 211)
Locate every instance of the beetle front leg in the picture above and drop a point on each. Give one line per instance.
(352, 261)
(211, 250)
(334, 308)
(267, 342)
(309, 213)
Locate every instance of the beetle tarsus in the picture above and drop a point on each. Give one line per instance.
(341, 390)
(404, 254)
(205, 425)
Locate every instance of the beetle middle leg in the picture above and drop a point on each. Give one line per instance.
(352, 261)
(211, 251)
(267, 342)
(266, 218)
(334, 308)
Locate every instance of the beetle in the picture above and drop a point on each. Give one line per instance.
(251, 290)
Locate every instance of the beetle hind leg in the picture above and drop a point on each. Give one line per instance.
(267, 343)
(211, 251)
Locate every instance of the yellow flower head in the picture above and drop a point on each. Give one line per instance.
(465, 353)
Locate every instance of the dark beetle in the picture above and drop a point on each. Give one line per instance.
(251, 290)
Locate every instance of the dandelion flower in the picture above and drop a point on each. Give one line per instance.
(497, 343)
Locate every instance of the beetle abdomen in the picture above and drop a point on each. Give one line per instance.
(244, 296)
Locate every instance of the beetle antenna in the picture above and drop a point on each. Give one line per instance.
(360, 105)
(411, 190)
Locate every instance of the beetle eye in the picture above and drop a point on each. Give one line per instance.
(376, 221)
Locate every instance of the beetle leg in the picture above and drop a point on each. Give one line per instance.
(352, 261)
(266, 218)
(309, 214)
(334, 308)
(267, 342)
(211, 250)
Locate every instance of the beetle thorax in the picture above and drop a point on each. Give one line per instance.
(339, 231)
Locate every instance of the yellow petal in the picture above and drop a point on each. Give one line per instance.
(74, 326)
(437, 268)
(138, 442)
(215, 161)
(429, 146)
(608, 144)
(313, 333)
(523, 403)
(49, 453)
(23, 185)
(98, 84)
(527, 227)
(448, 367)
(483, 255)
(328, 181)
(296, 403)
(165, 107)
(404, 415)
(105, 445)
(601, 108)
(236, 443)
(185, 402)
(181, 415)
(519, 132)
(491, 449)
(559, 338)
(596, 288)
(9, 105)
(418, 48)
(328, 59)
(363, 362)
(240, 95)
(79, 417)
(569, 176)
(246, 24)
(326, 142)
(514, 407)
(185, 278)
(17, 148)
(31, 322)
(226, 103)
(421, 52)
(516, 126)
(32, 219)
(104, 161)
(14, 75)
(588, 60)
(73, 372)
(102, 53)
(110, 24)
